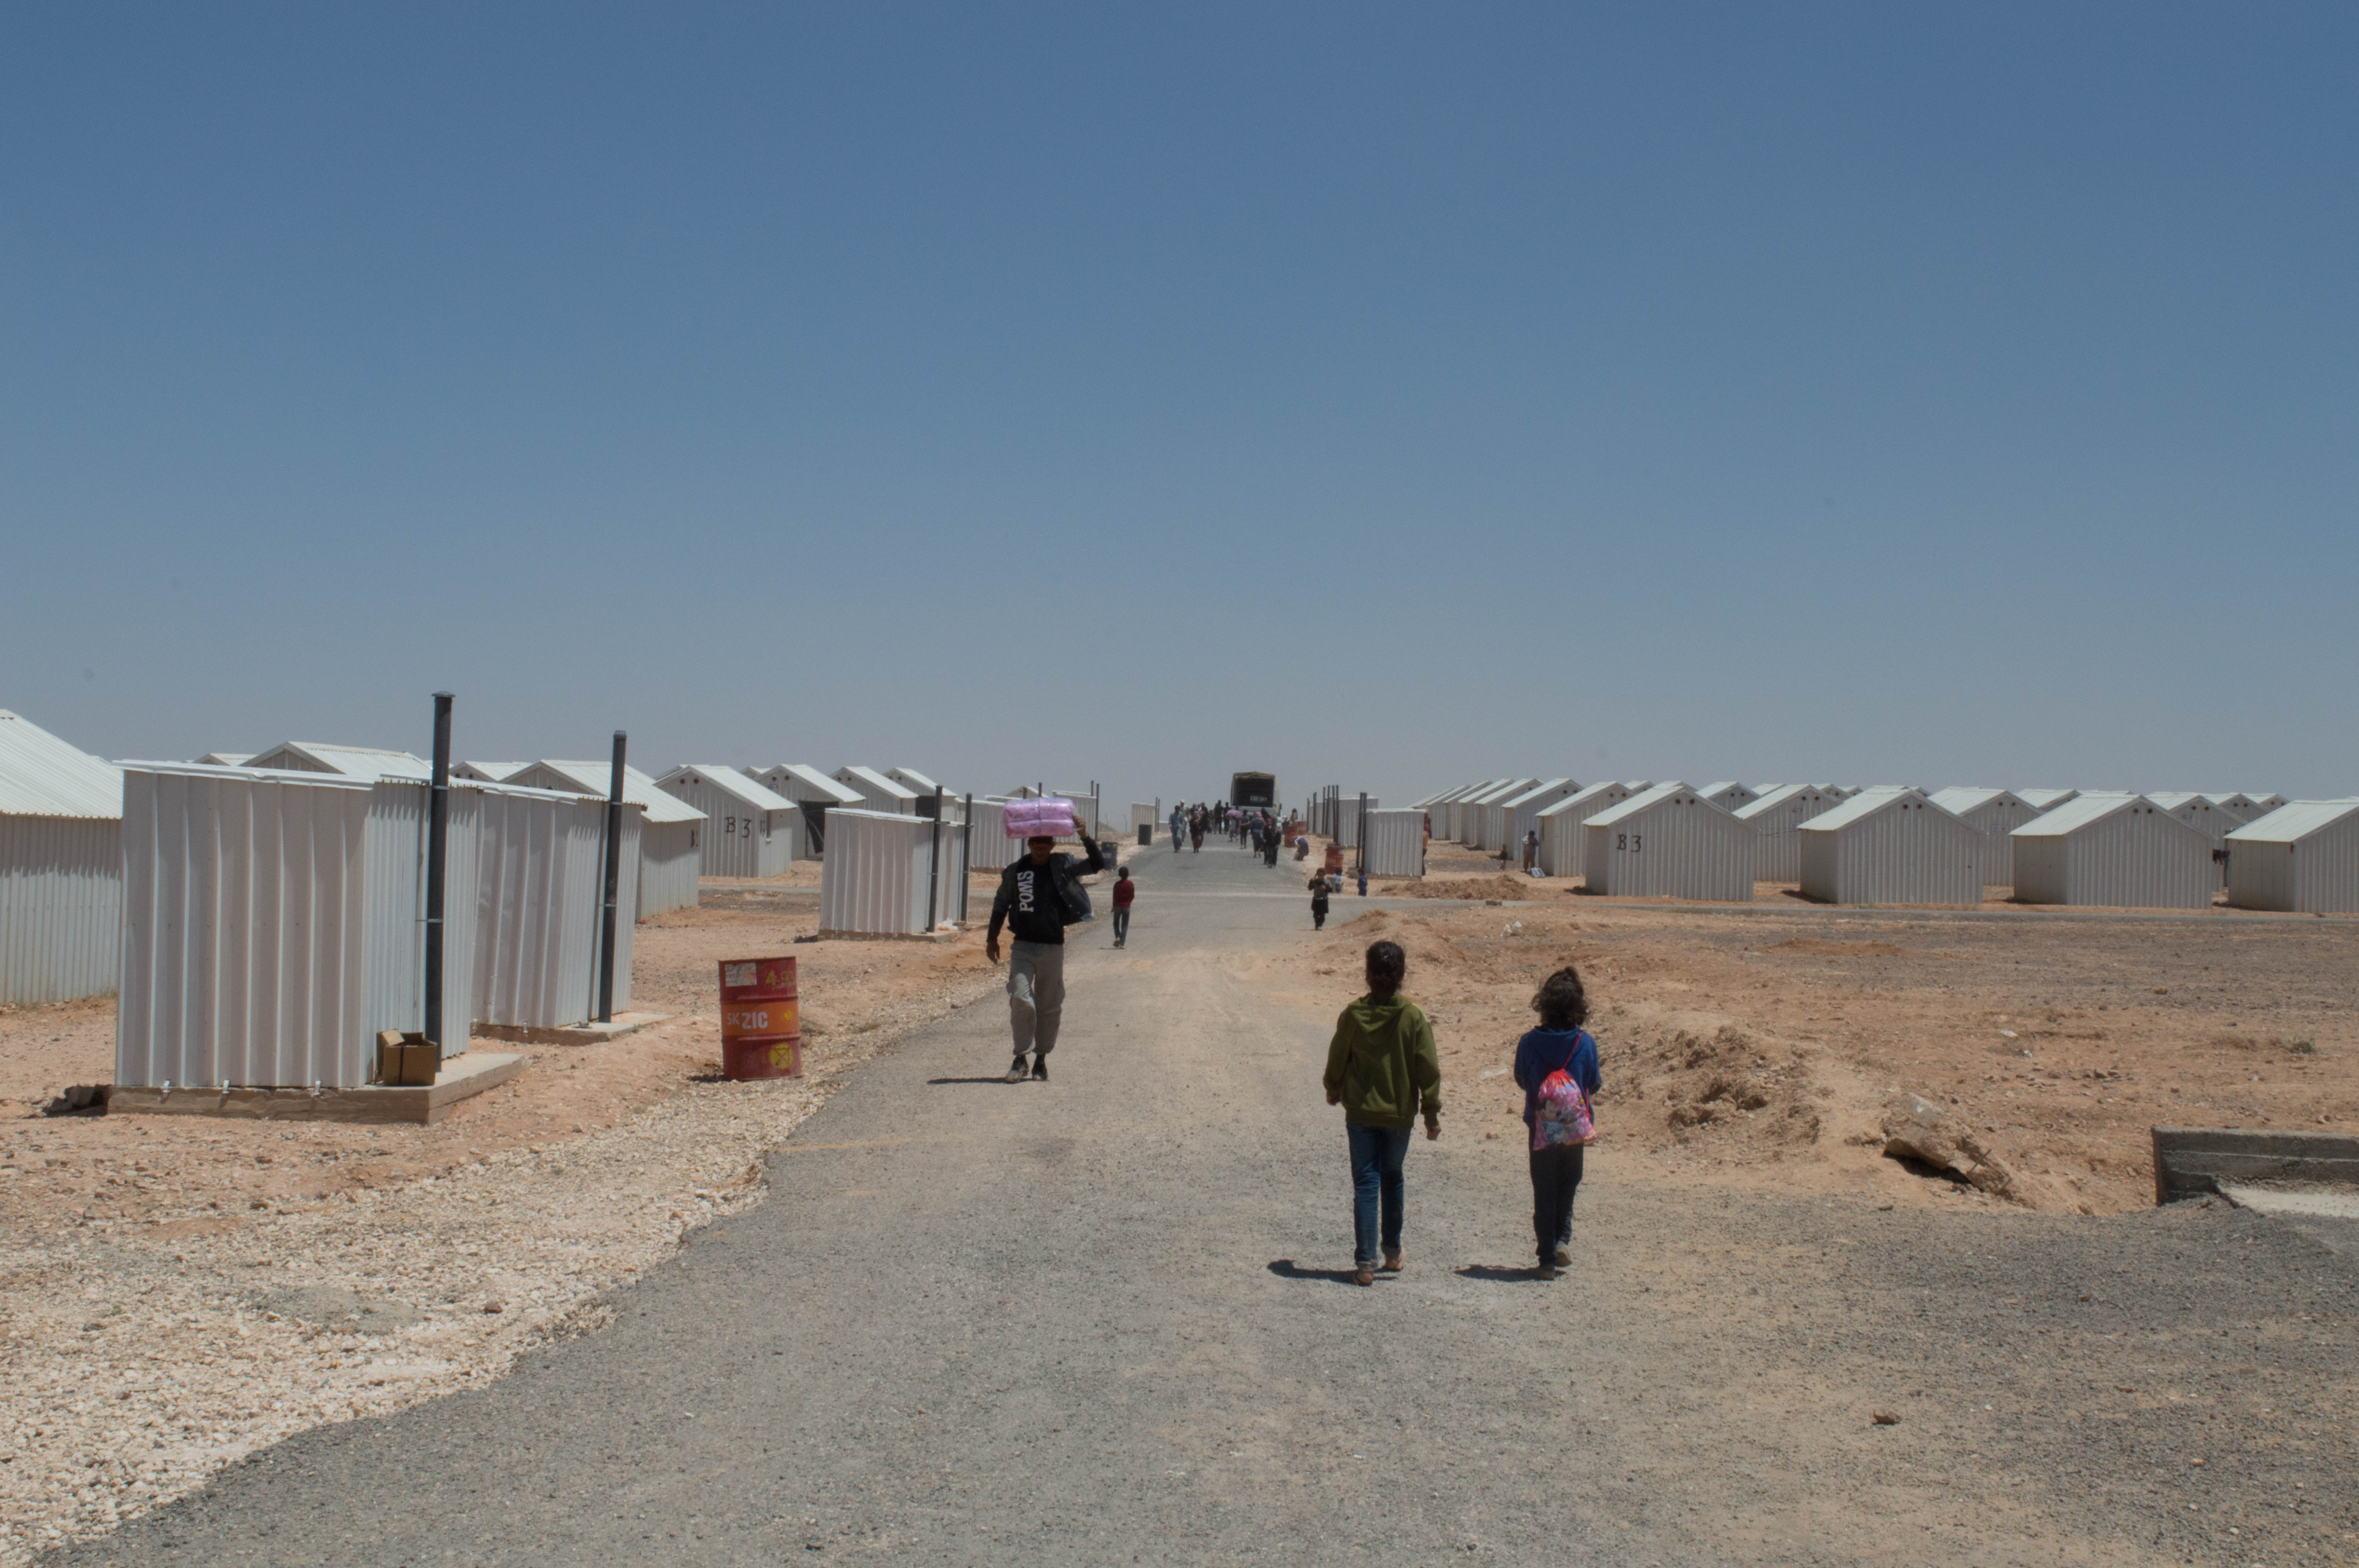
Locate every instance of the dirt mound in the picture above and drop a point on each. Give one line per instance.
(1502, 886)
(1818, 948)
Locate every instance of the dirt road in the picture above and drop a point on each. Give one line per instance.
(1103, 1320)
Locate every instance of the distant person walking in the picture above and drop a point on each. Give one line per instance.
(1318, 902)
(1125, 893)
(1556, 1067)
(1178, 827)
(1196, 832)
(1038, 898)
(1384, 1070)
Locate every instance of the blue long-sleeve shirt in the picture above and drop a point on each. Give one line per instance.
(1543, 1050)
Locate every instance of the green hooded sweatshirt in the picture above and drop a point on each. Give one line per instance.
(1383, 1064)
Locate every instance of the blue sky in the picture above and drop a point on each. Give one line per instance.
(1385, 397)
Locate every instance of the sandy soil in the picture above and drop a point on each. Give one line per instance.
(180, 1292)
(1745, 1051)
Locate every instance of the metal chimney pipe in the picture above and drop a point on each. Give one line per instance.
(438, 837)
(614, 881)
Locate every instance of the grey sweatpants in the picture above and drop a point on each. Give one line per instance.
(1036, 994)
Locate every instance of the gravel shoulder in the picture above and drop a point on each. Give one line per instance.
(1102, 1319)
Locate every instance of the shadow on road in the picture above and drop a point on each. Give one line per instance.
(1486, 1272)
(994, 1079)
(1288, 1268)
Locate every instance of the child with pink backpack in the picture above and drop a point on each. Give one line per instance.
(1556, 1067)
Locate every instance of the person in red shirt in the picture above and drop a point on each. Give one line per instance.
(1124, 889)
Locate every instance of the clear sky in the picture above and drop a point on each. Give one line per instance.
(1381, 396)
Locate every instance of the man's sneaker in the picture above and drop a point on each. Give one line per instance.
(1548, 1271)
(1040, 1068)
(1564, 1258)
(1392, 1264)
(1364, 1276)
(1015, 1069)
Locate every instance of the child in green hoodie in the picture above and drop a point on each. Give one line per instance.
(1383, 1069)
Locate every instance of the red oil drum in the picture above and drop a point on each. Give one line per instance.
(761, 1028)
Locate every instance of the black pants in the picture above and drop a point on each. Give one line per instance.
(1556, 1176)
(1318, 917)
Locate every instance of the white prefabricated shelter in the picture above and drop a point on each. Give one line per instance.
(2269, 802)
(1449, 816)
(911, 779)
(1669, 842)
(1774, 817)
(1563, 844)
(1520, 814)
(2046, 800)
(1478, 822)
(2302, 858)
(2204, 815)
(274, 920)
(1728, 795)
(2113, 849)
(1397, 842)
(2237, 803)
(888, 874)
(671, 831)
(989, 848)
(1347, 819)
(876, 792)
(367, 763)
(224, 759)
(817, 794)
(488, 773)
(1891, 844)
(1143, 816)
(60, 867)
(749, 832)
(1997, 812)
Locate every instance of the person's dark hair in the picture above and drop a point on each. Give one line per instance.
(1386, 966)
(1561, 1003)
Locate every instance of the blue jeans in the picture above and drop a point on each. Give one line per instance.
(1121, 925)
(1376, 1156)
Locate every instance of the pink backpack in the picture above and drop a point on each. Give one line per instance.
(1560, 1113)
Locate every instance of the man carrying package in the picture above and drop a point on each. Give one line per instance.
(1038, 898)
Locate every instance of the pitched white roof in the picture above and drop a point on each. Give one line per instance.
(1581, 797)
(1512, 802)
(223, 758)
(1645, 800)
(1774, 796)
(370, 762)
(913, 778)
(2295, 819)
(869, 779)
(755, 794)
(593, 778)
(821, 787)
(1959, 799)
(489, 773)
(2045, 799)
(40, 775)
(2091, 806)
(1867, 803)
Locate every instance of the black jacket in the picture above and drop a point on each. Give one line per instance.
(1036, 902)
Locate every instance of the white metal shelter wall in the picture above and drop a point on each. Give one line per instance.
(670, 861)
(1564, 843)
(1347, 820)
(60, 908)
(1779, 831)
(739, 839)
(1997, 821)
(880, 873)
(992, 848)
(1525, 816)
(1679, 847)
(1910, 852)
(1397, 843)
(249, 925)
(2136, 857)
(540, 892)
(2315, 875)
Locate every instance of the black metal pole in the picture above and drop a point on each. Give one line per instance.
(966, 853)
(438, 837)
(1362, 830)
(614, 882)
(934, 869)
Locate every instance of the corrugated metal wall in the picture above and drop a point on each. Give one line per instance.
(1564, 843)
(739, 840)
(60, 908)
(992, 848)
(2135, 858)
(1347, 820)
(247, 932)
(1777, 825)
(540, 891)
(1525, 816)
(878, 872)
(1397, 843)
(2326, 869)
(1910, 851)
(669, 864)
(2310, 867)
(1997, 821)
(1679, 847)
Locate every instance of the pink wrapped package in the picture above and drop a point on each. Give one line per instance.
(1049, 815)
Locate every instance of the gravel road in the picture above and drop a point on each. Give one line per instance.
(1105, 1320)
